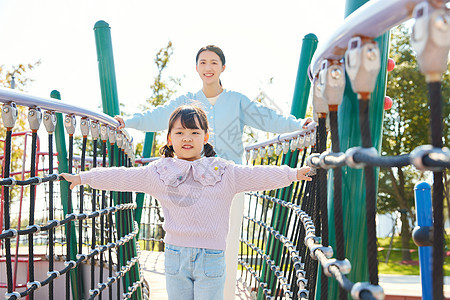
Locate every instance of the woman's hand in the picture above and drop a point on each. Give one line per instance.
(121, 122)
(74, 179)
(307, 121)
(301, 174)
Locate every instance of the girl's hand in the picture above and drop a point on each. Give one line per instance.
(121, 122)
(74, 179)
(301, 174)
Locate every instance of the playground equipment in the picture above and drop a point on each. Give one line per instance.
(287, 234)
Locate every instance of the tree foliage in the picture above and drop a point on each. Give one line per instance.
(406, 126)
(163, 87)
(17, 76)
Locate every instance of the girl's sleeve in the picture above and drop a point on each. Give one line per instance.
(261, 178)
(263, 118)
(121, 179)
(155, 119)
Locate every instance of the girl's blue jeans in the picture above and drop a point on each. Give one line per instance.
(194, 273)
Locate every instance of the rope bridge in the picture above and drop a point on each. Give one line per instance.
(286, 231)
(95, 229)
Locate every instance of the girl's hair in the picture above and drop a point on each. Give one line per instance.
(189, 116)
(214, 49)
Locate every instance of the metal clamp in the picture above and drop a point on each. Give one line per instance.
(417, 155)
(13, 294)
(38, 228)
(50, 273)
(376, 290)
(262, 152)
(58, 223)
(119, 139)
(13, 182)
(49, 121)
(82, 256)
(69, 123)
(112, 136)
(430, 39)
(95, 130)
(72, 264)
(104, 132)
(319, 103)
(327, 251)
(349, 156)
(85, 125)
(344, 266)
(36, 283)
(309, 159)
(39, 181)
(332, 80)
(362, 64)
(14, 232)
(9, 114)
(34, 118)
(102, 285)
(322, 162)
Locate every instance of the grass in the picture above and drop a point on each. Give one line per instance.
(395, 265)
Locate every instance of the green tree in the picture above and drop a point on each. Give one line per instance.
(17, 77)
(405, 127)
(163, 88)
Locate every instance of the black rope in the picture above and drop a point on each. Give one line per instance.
(7, 221)
(369, 173)
(102, 221)
(69, 224)
(323, 195)
(337, 197)
(80, 222)
(50, 214)
(32, 209)
(93, 224)
(435, 101)
(110, 237)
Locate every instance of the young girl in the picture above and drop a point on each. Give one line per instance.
(195, 190)
(228, 112)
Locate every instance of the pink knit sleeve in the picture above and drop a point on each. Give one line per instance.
(259, 178)
(121, 179)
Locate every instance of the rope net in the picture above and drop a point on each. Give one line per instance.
(50, 231)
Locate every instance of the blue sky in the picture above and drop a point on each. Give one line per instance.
(261, 40)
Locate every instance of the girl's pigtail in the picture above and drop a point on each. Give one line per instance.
(166, 151)
(209, 150)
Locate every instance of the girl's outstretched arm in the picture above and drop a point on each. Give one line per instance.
(260, 178)
(74, 179)
(301, 173)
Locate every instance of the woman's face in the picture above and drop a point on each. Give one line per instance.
(209, 67)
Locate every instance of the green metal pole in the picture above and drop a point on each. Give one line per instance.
(146, 152)
(63, 167)
(353, 184)
(110, 100)
(298, 109)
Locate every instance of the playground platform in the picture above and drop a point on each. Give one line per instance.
(396, 287)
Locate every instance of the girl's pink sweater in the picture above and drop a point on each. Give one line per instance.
(195, 195)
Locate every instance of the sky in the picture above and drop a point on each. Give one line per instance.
(261, 40)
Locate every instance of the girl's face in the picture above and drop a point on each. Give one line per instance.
(209, 67)
(187, 143)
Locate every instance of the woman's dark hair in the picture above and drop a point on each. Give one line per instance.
(214, 49)
(189, 116)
